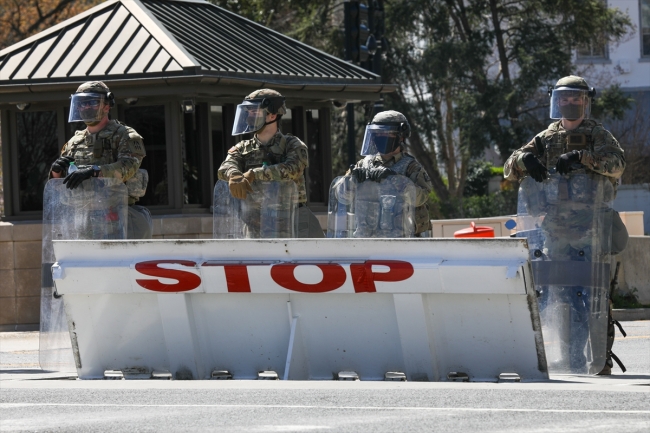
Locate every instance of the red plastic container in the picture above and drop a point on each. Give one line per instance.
(475, 231)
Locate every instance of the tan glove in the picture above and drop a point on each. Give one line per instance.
(239, 186)
(249, 176)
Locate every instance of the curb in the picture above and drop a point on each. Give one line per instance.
(631, 314)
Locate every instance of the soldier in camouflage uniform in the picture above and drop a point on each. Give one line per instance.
(269, 155)
(106, 148)
(573, 144)
(383, 147)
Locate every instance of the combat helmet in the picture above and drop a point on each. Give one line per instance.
(251, 114)
(385, 133)
(571, 98)
(88, 102)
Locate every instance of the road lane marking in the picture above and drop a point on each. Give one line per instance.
(278, 406)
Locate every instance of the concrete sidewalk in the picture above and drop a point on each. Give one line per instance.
(631, 314)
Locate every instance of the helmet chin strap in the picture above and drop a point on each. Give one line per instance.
(93, 123)
(277, 118)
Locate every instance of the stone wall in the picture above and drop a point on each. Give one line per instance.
(20, 262)
(634, 275)
(635, 198)
(20, 273)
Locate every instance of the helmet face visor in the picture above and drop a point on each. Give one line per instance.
(571, 104)
(87, 107)
(380, 139)
(250, 117)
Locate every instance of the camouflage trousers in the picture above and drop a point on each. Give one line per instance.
(276, 223)
(267, 222)
(564, 240)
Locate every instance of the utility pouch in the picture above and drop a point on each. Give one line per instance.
(98, 148)
(137, 185)
(576, 142)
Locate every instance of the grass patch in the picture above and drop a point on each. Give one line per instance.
(623, 300)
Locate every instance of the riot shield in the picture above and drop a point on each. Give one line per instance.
(97, 209)
(270, 211)
(568, 221)
(371, 209)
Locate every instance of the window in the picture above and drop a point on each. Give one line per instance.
(149, 122)
(193, 153)
(219, 149)
(596, 49)
(38, 147)
(315, 152)
(645, 28)
(593, 50)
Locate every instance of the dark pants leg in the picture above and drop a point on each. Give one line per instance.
(579, 301)
(308, 224)
(620, 235)
(139, 224)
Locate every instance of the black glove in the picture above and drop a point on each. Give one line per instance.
(358, 172)
(62, 164)
(379, 173)
(566, 161)
(74, 179)
(534, 167)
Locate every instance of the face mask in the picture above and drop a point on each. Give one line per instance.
(571, 111)
(91, 111)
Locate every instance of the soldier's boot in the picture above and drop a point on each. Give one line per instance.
(611, 333)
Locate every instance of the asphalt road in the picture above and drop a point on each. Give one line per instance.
(621, 402)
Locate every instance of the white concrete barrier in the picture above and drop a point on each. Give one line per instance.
(433, 309)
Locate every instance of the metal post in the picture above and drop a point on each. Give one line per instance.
(352, 151)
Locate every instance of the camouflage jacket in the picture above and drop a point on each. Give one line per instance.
(418, 176)
(599, 150)
(117, 149)
(284, 157)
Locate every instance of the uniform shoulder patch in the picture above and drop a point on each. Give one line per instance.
(232, 150)
(136, 144)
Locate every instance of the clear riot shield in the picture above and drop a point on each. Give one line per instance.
(270, 211)
(568, 223)
(370, 209)
(97, 209)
